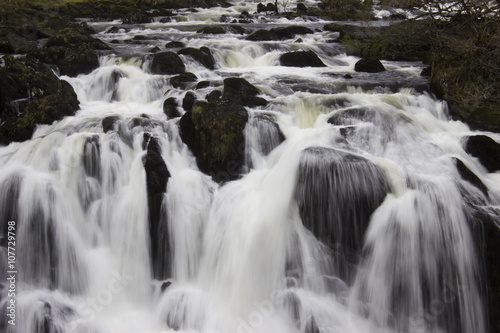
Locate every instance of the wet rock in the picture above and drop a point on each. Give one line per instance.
(202, 55)
(279, 33)
(369, 66)
(167, 63)
(261, 8)
(170, 108)
(470, 176)
(203, 84)
(244, 14)
(301, 59)
(189, 100)
(181, 81)
(262, 35)
(157, 176)
(6, 47)
(355, 184)
(215, 134)
(271, 7)
(486, 150)
(240, 91)
(291, 31)
(108, 123)
(174, 45)
(301, 8)
(212, 29)
(165, 285)
(136, 17)
(426, 72)
(114, 29)
(73, 51)
(48, 98)
(213, 96)
(154, 49)
(165, 20)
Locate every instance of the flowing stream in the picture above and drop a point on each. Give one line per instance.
(359, 221)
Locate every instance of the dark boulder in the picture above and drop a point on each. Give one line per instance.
(470, 176)
(212, 29)
(203, 84)
(281, 33)
(291, 31)
(73, 51)
(261, 8)
(108, 123)
(301, 8)
(271, 7)
(213, 96)
(244, 15)
(6, 47)
(136, 17)
(189, 100)
(182, 80)
(262, 35)
(240, 91)
(167, 63)
(301, 59)
(170, 108)
(157, 176)
(47, 98)
(215, 134)
(368, 65)
(202, 55)
(174, 45)
(334, 187)
(486, 150)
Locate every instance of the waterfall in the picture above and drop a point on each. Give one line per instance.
(350, 214)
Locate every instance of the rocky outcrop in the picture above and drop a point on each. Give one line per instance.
(202, 55)
(174, 45)
(301, 59)
(240, 91)
(167, 63)
(470, 176)
(213, 96)
(486, 150)
(73, 51)
(368, 65)
(31, 94)
(215, 134)
(170, 108)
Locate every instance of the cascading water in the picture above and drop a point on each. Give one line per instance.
(351, 215)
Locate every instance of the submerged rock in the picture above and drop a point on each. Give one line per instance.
(337, 192)
(215, 134)
(167, 63)
(47, 98)
(301, 59)
(369, 66)
(73, 51)
(486, 150)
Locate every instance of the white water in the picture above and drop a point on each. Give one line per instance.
(240, 255)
